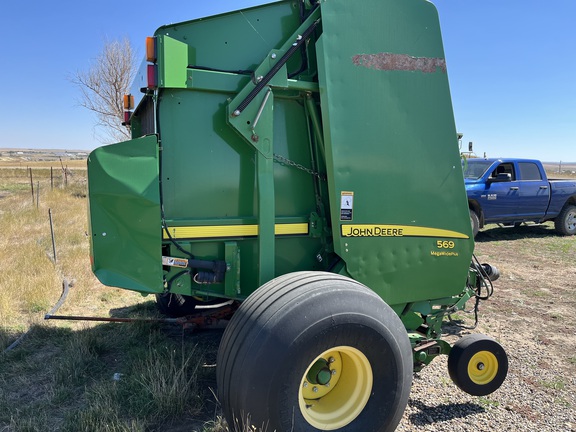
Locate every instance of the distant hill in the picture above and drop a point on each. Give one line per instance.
(16, 154)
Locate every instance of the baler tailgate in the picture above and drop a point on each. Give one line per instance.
(124, 207)
(392, 172)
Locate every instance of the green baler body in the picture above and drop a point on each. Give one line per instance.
(351, 165)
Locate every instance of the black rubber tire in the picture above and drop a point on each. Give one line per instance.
(284, 325)
(471, 349)
(565, 222)
(175, 305)
(475, 222)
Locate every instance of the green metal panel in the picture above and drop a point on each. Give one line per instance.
(124, 214)
(210, 177)
(391, 149)
(173, 58)
(237, 40)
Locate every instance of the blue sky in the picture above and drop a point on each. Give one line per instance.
(511, 66)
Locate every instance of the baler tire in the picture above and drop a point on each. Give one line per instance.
(565, 222)
(175, 305)
(280, 332)
(475, 222)
(477, 364)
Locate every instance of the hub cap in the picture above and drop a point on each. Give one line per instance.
(335, 388)
(571, 221)
(482, 367)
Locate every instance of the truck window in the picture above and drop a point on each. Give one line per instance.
(475, 168)
(529, 171)
(506, 168)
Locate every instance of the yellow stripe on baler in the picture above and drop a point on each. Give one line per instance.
(214, 231)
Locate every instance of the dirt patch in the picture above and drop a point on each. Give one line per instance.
(536, 294)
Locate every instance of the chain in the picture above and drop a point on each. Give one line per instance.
(284, 161)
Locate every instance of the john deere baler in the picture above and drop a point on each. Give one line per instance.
(300, 158)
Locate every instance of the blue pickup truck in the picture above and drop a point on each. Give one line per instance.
(513, 191)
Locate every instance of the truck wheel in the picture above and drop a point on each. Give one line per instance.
(477, 364)
(175, 305)
(475, 222)
(565, 222)
(314, 351)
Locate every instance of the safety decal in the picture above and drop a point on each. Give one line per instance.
(346, 205)
(174, 262)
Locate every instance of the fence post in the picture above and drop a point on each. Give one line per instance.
(52, 234)
(31, 184)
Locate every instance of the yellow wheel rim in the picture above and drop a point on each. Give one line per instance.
(342, 399)
(483, 367)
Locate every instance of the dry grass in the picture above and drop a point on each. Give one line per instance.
(27, 274)
(561, 171)
(59, 377)
(30, 278)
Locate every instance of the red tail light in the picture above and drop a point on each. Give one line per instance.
(152, 73)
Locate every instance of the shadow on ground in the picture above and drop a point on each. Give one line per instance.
(497, 233)
(77, 370)
(429, 415)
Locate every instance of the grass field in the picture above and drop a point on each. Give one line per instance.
(86, 376)
(60, 376)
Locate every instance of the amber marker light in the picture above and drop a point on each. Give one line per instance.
(128, 102)
(151, 49)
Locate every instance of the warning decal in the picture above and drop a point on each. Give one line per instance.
(346, 205)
